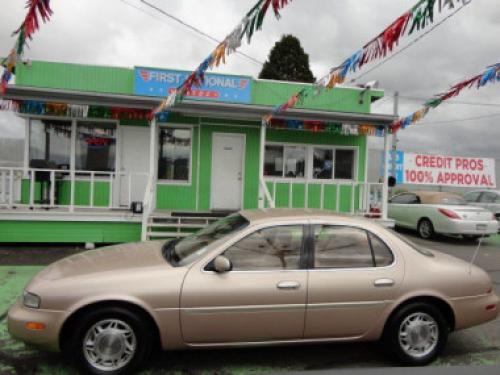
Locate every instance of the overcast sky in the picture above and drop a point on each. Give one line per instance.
(113, 32)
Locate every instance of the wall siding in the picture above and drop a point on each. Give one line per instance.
(69, 232)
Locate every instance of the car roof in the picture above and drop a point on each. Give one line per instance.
(430, 197)
(275, 214)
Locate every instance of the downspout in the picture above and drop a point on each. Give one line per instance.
(385, 186)
(264, 193)
(150, 193)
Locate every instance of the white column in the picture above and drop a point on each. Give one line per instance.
(72, 166)
(385, 186)
(153, 163)
(263, 131)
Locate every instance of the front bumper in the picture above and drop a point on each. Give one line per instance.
(471, 311)
(48, 338)
(476, 228)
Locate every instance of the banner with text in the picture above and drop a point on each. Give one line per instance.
(217, 87)
(422, 169)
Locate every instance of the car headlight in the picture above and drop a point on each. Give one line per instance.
(31, 300)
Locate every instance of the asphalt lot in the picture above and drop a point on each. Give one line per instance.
(478, 346)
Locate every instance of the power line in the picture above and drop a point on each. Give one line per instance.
(195, 29)
(185, 24)
(420, 37)
(453, 102)
(466, 119)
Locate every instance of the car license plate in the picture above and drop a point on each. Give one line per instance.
(481, 227)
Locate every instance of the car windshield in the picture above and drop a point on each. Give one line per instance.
(453, 201)
(185, 251)
(422, 250)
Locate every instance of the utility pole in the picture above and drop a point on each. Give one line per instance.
(394, 147)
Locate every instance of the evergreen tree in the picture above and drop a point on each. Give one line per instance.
(287, 62)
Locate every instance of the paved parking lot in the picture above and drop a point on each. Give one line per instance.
(475, 346)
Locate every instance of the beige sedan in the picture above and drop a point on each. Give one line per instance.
(254, 278)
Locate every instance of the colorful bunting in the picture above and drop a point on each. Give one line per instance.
(490, 75)
(416, 19)
(251, 23)
(37, 10)
(327, 127)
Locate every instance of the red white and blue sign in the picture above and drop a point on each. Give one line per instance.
(217, 87)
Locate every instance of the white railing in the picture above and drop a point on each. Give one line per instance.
(369, 194)
(122, 188)
(148, 206)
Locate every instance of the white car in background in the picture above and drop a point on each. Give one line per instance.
(488, 199)
(445, 213)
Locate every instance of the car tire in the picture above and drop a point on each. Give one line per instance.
(425, 229)
(118, 342)
(416, 334)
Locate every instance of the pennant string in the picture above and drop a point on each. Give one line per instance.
(251, 23)
(37, 9)
(490, 75)
(421, 15)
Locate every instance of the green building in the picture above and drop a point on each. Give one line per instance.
(91, 152)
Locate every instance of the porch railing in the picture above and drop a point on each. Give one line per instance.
(49, 188)
(364, 198)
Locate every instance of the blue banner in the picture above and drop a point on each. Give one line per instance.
(217, 87)
(399, 157)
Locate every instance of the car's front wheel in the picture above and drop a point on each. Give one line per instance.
(416, 334)
(111, 341)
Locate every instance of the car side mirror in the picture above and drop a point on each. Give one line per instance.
(221, 264)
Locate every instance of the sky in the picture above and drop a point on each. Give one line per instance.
(128, 33)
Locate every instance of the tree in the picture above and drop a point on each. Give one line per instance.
(287, 62)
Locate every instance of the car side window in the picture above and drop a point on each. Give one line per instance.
(488, 197)
(382, 255)
(274, 248)
(341, 247)
(472, 197)
(405, 199)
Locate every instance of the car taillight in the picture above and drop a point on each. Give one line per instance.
(449, 213)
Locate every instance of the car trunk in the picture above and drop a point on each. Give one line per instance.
(471, 213)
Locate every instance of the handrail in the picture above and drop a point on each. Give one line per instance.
(117, 181)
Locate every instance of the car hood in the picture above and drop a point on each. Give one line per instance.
(131, 257)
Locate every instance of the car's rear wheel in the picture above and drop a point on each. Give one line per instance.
(416, 334)
(111, 341)
(425, 229)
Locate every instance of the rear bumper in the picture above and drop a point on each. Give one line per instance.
(476, 228)
(471, 311)
(48, 338)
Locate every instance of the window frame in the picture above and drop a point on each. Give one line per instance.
(304, 250)
(28, 141)
(117, 136)
(190, 163)
(312, 249)
(309, 163)
(74, 125)
(417, 198)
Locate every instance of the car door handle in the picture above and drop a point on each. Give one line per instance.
(288, 285)
(383, 283)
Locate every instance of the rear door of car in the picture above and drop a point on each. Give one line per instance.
(353, 276)
(262, 298)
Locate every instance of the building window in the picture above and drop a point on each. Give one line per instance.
(285, 161)
(95, 147)
(174, 161)
(310, 162)
(322, 164)
(50, 144)
(344, 164)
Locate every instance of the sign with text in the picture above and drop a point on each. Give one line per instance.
(422, 169)
(217, 87)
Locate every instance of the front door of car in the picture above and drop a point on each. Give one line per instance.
(353, 275)
(262, 298)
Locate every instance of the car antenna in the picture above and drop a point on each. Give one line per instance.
(475, 254)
